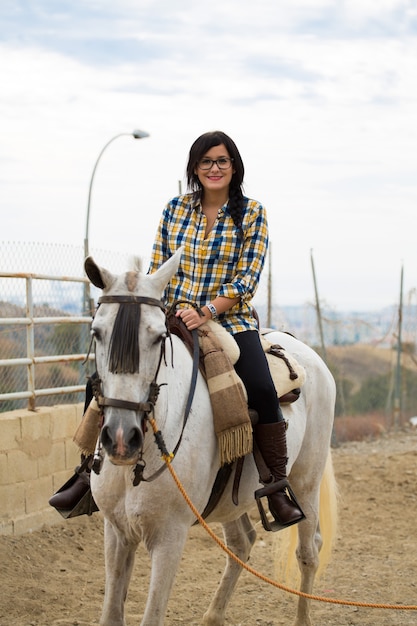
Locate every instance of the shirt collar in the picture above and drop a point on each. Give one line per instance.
(196, 205)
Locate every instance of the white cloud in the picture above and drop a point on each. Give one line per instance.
(323, 113)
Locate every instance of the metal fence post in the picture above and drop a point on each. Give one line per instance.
(30, 344)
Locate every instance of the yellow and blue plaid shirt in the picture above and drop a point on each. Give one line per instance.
(223, 264)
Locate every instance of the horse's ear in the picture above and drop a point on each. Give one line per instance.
(100, 277)
(163, 275)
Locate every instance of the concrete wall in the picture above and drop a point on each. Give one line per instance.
(37, 455)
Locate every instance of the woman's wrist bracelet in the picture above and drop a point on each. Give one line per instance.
(212, 310)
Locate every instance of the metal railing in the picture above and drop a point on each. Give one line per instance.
(31, 360)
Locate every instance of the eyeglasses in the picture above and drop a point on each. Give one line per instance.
(224, 163)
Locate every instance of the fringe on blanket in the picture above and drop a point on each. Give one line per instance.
(88, 429)
(230, 410)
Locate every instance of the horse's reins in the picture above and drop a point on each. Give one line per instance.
(148, 407)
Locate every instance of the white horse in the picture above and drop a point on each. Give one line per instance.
(155, 512)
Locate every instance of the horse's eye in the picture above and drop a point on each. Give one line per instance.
(160, 338)
(156, 337)
(95, 334)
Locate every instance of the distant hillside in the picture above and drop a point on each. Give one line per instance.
(343, 327)
(361, 361)
(8, 309)
(48, 340)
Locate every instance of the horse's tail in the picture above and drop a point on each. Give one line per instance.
(286, 563)
(328, 516)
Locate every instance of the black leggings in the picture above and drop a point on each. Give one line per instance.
(253, 369)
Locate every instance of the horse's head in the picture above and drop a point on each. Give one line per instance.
(129, 329)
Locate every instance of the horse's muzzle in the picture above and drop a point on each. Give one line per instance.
(123, 444)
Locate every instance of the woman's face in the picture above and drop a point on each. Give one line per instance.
(215, 178)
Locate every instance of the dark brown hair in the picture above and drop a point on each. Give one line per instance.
(199, 148)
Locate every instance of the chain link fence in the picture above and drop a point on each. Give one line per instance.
(56, 283)
(44, 322)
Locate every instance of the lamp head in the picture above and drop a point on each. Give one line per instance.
(140, 134)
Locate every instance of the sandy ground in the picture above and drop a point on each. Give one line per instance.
(55, 576)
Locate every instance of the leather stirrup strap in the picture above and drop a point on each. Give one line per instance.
(219, 486)
(264, 472)
(236, 481)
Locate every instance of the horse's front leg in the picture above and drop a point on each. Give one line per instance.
(165, 545)
(119, 559)
(240, 536)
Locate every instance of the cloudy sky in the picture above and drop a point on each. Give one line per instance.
(319, 95)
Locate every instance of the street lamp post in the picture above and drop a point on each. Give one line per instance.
(136, 134)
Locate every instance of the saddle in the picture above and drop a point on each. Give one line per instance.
(285, 371)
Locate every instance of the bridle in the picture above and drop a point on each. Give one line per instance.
(147, 407)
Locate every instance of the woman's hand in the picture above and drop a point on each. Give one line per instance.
(191, 318)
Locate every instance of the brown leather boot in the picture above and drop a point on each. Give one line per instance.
(69, 496)
(272, 442)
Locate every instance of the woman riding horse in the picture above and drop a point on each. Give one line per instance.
(225, 238)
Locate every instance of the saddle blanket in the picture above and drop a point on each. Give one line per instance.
(286, 372)
(227, 393)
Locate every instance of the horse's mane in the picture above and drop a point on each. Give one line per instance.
(124, 341)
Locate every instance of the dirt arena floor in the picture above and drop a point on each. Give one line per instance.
(55, 576)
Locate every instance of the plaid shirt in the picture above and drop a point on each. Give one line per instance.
(223, 264)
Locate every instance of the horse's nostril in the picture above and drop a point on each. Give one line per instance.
(105, 437)
(136, 439)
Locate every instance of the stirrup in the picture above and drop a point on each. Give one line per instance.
(85, 506)
(275, 524)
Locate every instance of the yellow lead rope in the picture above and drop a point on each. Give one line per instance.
(168, 457)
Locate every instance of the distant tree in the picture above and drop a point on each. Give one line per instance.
(66, 339)
(344, 388)
(372, 395)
